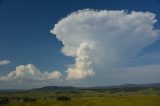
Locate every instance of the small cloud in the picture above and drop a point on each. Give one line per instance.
(29, 73)
(4, 62)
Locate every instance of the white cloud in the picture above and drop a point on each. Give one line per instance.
(83, 64)
(103, 39)
(4, 62)
(29, 73)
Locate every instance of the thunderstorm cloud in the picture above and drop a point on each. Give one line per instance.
(103, 39)
(100, 42)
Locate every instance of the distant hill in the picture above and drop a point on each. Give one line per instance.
(11, 90)
(125, 87)
(129, 87)
(152, 85)
(50, 88)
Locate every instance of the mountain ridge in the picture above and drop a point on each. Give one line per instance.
(123, 86)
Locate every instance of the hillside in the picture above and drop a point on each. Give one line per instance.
(125, 86)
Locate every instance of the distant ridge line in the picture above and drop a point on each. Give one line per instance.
(123, 86)
(151, 85)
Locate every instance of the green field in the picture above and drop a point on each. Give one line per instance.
(145, 97)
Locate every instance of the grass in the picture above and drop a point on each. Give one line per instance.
(147, 97)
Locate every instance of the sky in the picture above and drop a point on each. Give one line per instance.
(78, 42)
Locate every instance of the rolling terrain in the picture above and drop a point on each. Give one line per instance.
(121, 95)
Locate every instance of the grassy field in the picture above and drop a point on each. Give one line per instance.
(145, 97)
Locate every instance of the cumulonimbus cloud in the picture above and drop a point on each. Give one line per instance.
(103, 39)
(29, 73)
(4, 62)
(98, 40)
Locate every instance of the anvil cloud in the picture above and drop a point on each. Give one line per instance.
(103, 39)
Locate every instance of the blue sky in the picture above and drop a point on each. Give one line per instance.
(25, 36)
